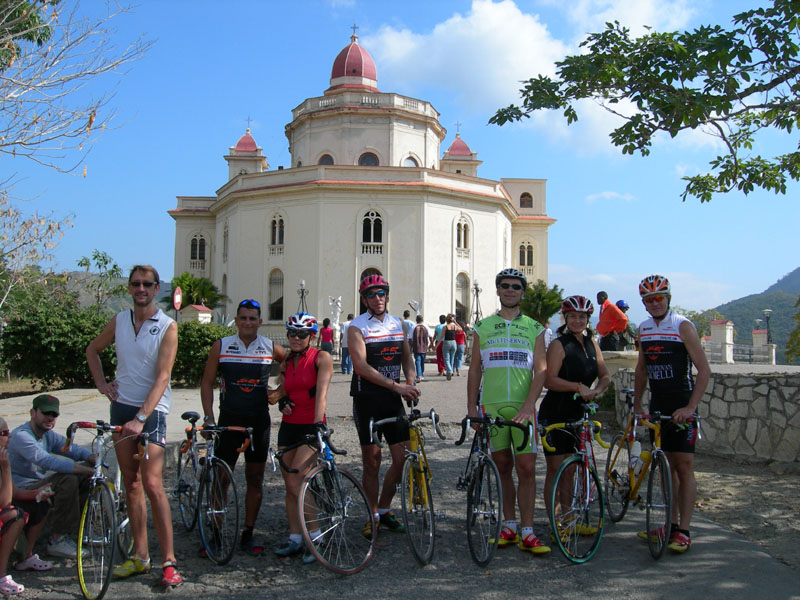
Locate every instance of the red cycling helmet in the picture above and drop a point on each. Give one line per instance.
(654, 284)
(577, 304)
(372, 281)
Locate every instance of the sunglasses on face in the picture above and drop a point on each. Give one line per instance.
(146, 284)
(300, 335)
(514, 286)
(379, 294)
(651, 299)
(5, 433)
(49, 413)
(249, 304)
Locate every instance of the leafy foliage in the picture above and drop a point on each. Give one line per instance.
(196, 290)
(47, 340)
(540, 302)
(103, 284)
(701, 319)
(731, 83)
(194, 342)
(793, 344)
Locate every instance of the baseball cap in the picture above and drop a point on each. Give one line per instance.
(46, 403)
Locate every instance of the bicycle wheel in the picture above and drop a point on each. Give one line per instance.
(617, 478)
(484, 502)
(578, 528)
(186, 489)
(333, 510)
(418, 515)
(218, 511)
(124, 533)
(96, 542)
(658, 513)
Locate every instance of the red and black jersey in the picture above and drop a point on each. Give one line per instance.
(244, 373)
(669, 367)
(384, 346)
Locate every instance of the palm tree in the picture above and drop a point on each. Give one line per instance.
(196, 291)
(541, 303)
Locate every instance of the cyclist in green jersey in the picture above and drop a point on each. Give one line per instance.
(506, 375)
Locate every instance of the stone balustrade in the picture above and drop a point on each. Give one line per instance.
(748, 411)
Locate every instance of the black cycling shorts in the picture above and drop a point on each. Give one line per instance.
(228, 442)
(366, 408)
(675, 438)
(291, 433)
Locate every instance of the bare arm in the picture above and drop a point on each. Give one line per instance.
(474, 377)
(639, 382)
(527, 411)
(93, 350)
(6, 486)
(324, 374)
(209, 376)
(692, 342)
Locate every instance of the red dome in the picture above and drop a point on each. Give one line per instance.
(246, 143)
(354, 61)
(459, 147)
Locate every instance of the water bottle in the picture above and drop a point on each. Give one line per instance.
(636, 453)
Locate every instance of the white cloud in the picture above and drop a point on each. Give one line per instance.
(592, 15)
(609, 196)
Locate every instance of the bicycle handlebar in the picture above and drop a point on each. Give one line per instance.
(409, 418)
(596, 427)
(323, 433)
(101, 425)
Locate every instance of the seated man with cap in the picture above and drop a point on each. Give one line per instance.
(37, 458)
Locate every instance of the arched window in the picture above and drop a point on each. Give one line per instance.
(299, 163)
(525, 254)
(410, 162)
(525, 200)
(462, 238)
(372, 233)
(276, 236)
(276, 295)
(462, 297)
(368, 159)
(325, 159)
(197, 253)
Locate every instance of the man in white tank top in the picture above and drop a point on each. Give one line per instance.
(146, 342)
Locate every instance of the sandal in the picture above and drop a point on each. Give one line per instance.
(33, 563)
(171, 577)
(252, 547)
(9, 587)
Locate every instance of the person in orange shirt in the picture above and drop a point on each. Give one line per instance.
(611, 323)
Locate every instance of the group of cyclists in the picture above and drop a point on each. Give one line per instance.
(509, 369)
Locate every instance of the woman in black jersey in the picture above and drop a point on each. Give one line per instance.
(574, 362)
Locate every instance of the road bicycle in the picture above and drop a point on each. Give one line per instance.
(419, 517)
(104, 526)
(625, 472)
(332, 508)
(577, 523)
(481, 480)
(206, 491)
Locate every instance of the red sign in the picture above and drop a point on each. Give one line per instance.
(177, 298)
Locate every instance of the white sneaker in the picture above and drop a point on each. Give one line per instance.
(64, 548)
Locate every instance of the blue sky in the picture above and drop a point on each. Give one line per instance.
(214, 64)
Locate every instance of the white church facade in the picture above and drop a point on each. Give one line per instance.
(368, 190)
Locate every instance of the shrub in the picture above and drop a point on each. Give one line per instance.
(194, 342)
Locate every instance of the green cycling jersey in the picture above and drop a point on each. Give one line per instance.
(506, 349)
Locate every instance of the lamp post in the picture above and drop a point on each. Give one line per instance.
(767, 312)
(476, 303)
(302, 292)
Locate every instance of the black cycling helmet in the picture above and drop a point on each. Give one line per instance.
(511, 274)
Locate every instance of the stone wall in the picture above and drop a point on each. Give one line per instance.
(746, 413)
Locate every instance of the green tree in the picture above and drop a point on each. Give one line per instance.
(196, 290)
(793, 345)
(540, 302)
(194, 342)
(732, 83)
(47, 340)
(701, 319)
(104, 282)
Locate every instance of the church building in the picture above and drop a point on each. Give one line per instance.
(368, 191)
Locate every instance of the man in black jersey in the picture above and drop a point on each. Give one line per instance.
(669, 346)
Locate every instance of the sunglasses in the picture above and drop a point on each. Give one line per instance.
(249, 304)
(5, 433)
(514, 286)
(50, 413)
(146, 284)
(379, 294)
(301, 335)
(651, 299)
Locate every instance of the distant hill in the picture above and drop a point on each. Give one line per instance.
(781, 297)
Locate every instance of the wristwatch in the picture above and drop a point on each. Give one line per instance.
(141, 418)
